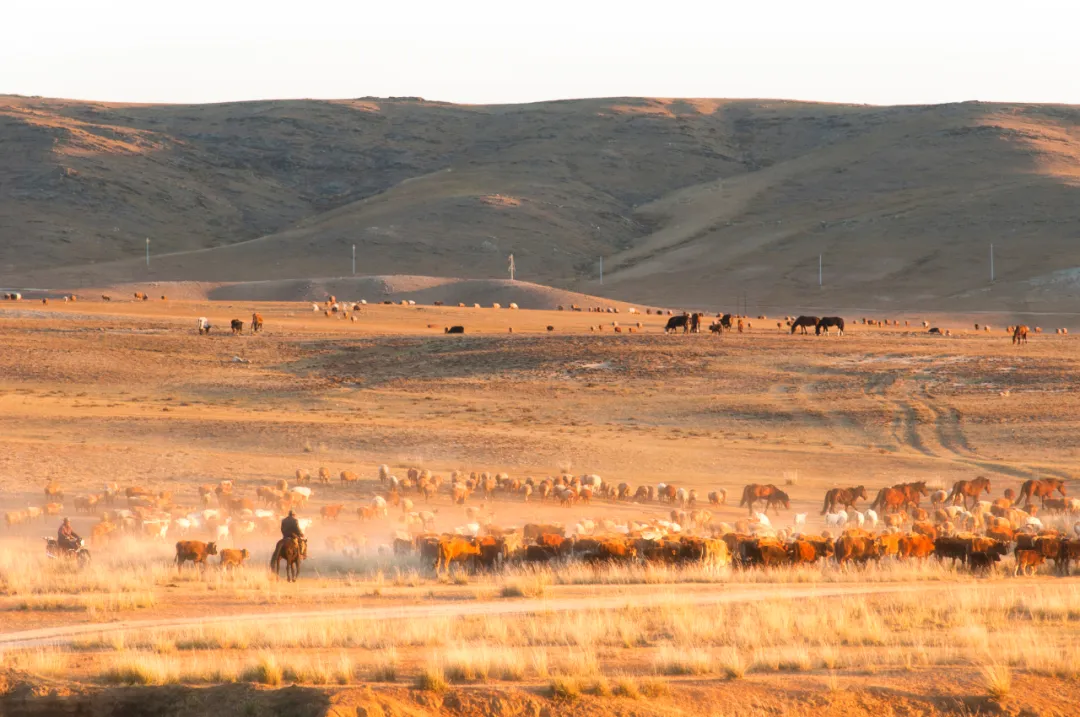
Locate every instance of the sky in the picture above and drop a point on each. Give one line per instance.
(481, 52)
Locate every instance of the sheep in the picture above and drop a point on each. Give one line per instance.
(871, 516)
(513, 306)
(835, 520)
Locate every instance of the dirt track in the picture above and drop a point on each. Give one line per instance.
(645, 597)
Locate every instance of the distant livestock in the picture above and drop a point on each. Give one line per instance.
(827, 323)
(454, 330)
(804, 322)
(237, 327)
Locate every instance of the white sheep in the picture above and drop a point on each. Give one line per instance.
(799, 520)
(871, 517)
(856, 517)
(938, 497)
(762, 519)
(513, 306)
(835, 520)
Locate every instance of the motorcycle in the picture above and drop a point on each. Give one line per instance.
(79, 554)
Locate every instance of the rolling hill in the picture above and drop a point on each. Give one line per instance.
(692, 202)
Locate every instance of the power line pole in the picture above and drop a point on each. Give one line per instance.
(601, 270)
(354, 259)
(991, 263)
(819, 271)
(147, 252)
(511, 267)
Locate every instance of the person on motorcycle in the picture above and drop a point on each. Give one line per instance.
(66, 537)
(290, 528)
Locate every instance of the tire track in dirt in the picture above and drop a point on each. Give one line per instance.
(56, 636)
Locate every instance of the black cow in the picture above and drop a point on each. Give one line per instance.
(237, 326)
(454, 330)
(677, 322)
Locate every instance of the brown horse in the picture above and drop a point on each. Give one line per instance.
(843, 496)
(292, 552)
(777, 499)
(890, 500)
(1020, 335)
(1041, 489)
(913, 492)
(755, 492)
(969, 489)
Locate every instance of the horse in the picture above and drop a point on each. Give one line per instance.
(725, 322)
(804, 323)
(890, 499)
(844, 496)
(1020, 335)
(755, 492)
(1042, 489)
(913, 491)
(827, 322)
(969, 489)
(775, 500)
(292, 552)
(256, 323)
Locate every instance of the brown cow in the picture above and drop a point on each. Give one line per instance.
(348, 477)
(324, 474)
(330, 512)
(455, 549)
(916, 546)
(256, 323)
(1027, 561)
(194, 550)
(856, 548)
(533, 531)
(232, 559)
(1020, 334)
(616, 551)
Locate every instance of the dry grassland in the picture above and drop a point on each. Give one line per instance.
(127, 392)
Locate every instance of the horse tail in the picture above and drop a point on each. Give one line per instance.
(745, 496)
(275, 559)
(828, 494)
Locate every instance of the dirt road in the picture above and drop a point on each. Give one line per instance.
(661, 595)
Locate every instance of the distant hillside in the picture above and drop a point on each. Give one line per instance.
(691, 202)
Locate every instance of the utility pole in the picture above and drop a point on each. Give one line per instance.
(511, 267)
(819, 271)
(991, 263)
(601, 271)
(354, 259)
(147, 252)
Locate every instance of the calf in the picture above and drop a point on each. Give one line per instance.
(1027, 561)
(231, 559)
(330, 512)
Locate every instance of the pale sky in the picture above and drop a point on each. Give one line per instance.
(476, 51)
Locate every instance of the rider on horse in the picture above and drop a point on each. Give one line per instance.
(290, 530)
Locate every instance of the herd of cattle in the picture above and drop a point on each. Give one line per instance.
(958, 525)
